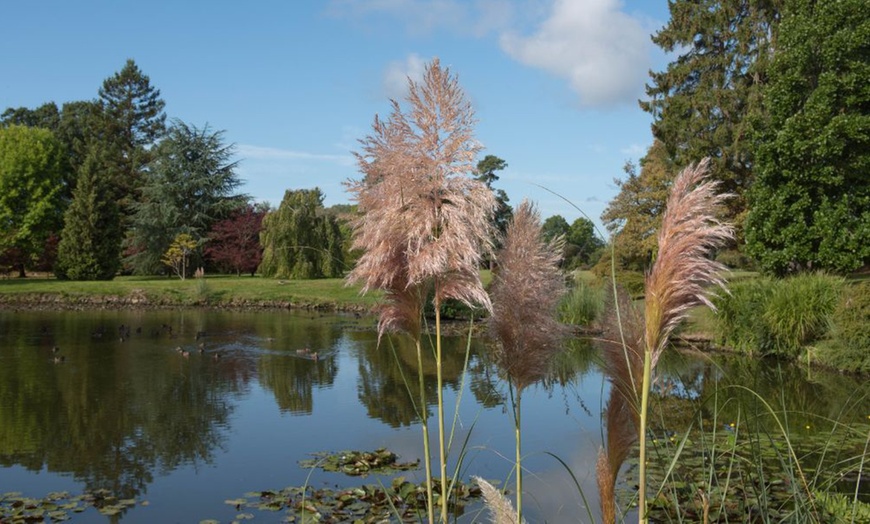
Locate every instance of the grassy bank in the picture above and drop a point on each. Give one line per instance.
(212, 291)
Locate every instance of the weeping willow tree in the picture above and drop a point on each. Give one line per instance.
(299, 240)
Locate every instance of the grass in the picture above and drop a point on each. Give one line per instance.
(216, 291)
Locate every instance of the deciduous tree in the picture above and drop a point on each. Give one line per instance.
(32, 168)
(177, 256)
(811, 200)
(234, 242)
(633, 217)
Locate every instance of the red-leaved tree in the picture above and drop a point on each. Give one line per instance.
(234, 243)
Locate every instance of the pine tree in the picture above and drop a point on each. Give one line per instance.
(91, 239)
(702, 103)
(134, 120)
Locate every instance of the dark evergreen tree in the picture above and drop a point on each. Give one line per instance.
(486, 169)
(91, 239)
(553, 227)
(702, 102)
(190, 185)
(810, 206)
(45, 116)
(134, 118)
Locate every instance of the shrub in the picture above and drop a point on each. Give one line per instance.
(777, 317)
(582, 305)
(849, 347)
(739, 324)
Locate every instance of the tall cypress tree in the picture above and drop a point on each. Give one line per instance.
(701, 103)
(91, 239)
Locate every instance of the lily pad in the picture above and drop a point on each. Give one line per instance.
(359, 463)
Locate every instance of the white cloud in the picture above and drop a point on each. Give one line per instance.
(269, 153)
(396, 76)
(634, 150)
(603, 52)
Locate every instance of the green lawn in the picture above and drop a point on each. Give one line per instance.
(213, 290)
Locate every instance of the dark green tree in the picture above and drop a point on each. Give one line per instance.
(190, 185)
(32, 167)
(634, 215)
(486, 169)
(135, 119)
(810, 205)
(702, 102)
(299, 240)
(90, 245)
(45, 116)
(554, 226)
(582, 244)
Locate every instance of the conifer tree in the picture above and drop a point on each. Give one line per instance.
(702, 103)
(91, 239)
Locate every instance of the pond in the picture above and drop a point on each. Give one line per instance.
(178, 411)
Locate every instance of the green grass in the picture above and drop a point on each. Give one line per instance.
(219, 291)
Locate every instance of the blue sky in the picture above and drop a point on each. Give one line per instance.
(294, 84)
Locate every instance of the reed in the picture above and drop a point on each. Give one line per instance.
(526, 292)
(423, 223)
(678, 281)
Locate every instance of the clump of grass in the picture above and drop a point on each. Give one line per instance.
(582, 305)
(778, 317)
(849, 346)
(678, 281)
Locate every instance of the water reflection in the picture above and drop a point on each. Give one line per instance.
(219, 398)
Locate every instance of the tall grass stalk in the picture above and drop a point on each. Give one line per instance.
(526, 292)
(678, 280)
(423, 223)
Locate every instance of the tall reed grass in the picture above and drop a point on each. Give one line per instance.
(423, 224)
(778, 317)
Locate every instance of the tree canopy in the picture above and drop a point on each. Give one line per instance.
(810, 205)
(299, 240)
(702, 103)
(189, 186)
(32, 167)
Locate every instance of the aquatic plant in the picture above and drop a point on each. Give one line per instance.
(679, 280)
(526, 291)
(423, 222)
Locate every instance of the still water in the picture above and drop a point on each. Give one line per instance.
(185, 409)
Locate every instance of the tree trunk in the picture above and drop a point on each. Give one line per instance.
(21, 273)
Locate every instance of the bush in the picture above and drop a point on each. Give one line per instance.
(582, 305)
(849, 347)
(777, 317)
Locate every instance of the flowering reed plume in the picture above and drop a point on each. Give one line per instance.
(500, 508)
(680, 277)
(526, 290)
(424, 224)
(525, 293)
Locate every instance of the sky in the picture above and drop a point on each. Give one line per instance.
(295, 84)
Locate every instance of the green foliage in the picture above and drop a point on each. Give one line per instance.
(634, 216)
(582, 305)
(702, 102)
(90, 243)
(810, 204)
(32, 169)
(190, 185)
(132, 118)
(849, 347)
(553, 227)
(582, 245)
(299, 240)
(503, 212)
(778, 317)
